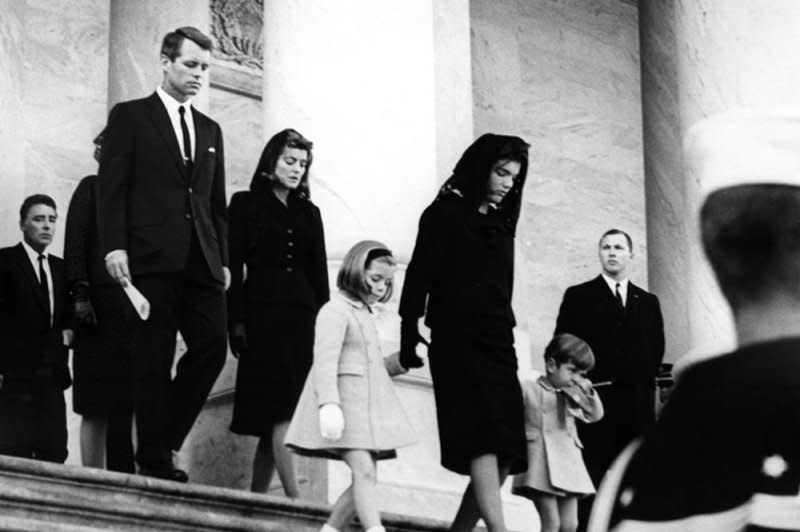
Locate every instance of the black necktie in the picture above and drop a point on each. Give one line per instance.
(620, 304)
(44, 285)
(187, 144)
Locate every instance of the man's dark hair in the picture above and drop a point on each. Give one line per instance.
(171, 45)
(751, 235)
(36, 199)
(618, 232)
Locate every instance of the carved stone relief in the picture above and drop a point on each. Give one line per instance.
(237, 27)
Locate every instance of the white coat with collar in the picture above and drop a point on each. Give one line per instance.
(555, 460)
(350, 370)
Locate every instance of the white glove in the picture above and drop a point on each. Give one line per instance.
(331, 421)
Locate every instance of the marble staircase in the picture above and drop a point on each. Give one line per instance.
(37, 496)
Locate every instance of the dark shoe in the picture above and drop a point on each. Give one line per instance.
(174, 474)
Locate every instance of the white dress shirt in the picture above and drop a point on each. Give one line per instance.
(33, 256)
(623, 288)
(175, 119)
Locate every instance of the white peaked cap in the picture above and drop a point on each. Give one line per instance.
(738, 148)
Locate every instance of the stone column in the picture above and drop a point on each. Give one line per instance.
(699, 58)
(137, 29)
(363, 79)
(384, 90)
(665, 202)
(12, 164)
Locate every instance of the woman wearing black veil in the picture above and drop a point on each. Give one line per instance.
(463, 263)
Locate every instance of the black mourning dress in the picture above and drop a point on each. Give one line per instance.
(101, 357)
(282, 248)
(463, 261)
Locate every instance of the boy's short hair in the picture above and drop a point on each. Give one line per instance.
(565, 348)
(36, 199)
(352, 277)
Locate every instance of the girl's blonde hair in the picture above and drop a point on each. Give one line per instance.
(352, 277)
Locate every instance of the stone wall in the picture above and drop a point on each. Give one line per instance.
(53, 94)
(564, 76)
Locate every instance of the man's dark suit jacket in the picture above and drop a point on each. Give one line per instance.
(31, 348)
(147, 203)
(628, 348)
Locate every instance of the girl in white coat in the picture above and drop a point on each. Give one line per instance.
(348, 409)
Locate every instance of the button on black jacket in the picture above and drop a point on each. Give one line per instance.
(463, 262)
(283, 248)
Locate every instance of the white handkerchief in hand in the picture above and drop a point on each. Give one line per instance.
(139, 302)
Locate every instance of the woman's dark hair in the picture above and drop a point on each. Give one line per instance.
(565, 348)
(288, 138)
(472, 171)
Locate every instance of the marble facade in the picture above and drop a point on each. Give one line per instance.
(564, 76)
(391, 94)
(54, 97)
(733, 56)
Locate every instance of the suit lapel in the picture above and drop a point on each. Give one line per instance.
(605, 296)
(160, 118)
(58, 290)
(201, 141)
(632, 305)
(28, 273)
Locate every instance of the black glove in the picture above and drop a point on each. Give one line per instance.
(238, 340)
(409, 338)
(83, 314)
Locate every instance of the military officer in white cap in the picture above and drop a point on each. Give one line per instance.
(725, 453)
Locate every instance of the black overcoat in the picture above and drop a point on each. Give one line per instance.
(628, 348)
(461, 277)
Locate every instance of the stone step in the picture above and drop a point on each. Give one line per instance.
(38, 496)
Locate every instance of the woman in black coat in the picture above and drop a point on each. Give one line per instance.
(463, 264)
(103, 321)
(279, 280)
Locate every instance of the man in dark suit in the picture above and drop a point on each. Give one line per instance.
(725, 452)
(623, 325)
(161, 214)
(33, 358)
